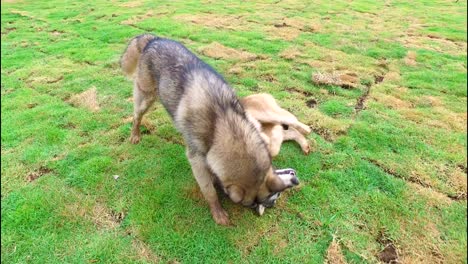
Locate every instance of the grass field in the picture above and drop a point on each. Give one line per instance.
(382, 84)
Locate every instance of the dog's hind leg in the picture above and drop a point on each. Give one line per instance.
(276, 139)
(205, 180)
(293, 134)
(142, 100)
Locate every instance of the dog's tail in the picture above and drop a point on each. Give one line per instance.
(131, 56)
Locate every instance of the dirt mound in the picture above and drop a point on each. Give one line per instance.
(389, 253)
(86, 99)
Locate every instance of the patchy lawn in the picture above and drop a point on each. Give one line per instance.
(382, 84)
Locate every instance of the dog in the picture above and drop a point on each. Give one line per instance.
(223, 146)
(275, 123)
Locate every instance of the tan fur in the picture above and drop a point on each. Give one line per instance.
(129, 60)
(270, 117)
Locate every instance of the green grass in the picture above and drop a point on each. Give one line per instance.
(393, 169)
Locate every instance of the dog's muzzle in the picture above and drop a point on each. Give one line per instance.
(288, 176)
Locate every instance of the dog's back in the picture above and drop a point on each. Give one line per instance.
(193, 93)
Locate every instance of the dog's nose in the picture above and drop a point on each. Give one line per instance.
(295, 180)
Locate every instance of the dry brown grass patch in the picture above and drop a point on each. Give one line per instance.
(434, 44)
(327, 127)
(219, 51)
(215, 21)
(135, 19)
(86, 99)
(286, 33)
(434, 198)
(236, 70)
(132, 4)
(299, 23)
(144, 252)
(429, 100)
(390, 101)
(334, 254)
(290, 53)
(146, 122)
(410, 58)
(22, 13)
(342, 79)
(392, 76)
(104, 218)
(458, 180)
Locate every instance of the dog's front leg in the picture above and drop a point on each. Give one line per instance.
(141, 103)
(205, 180)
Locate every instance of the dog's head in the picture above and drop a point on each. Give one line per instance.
(242, 164)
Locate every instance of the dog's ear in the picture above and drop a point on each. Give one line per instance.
(236, 193)
(274, 183)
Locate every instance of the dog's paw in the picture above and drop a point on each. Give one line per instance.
(220, 216)
(135, 139)
(307, 130)
(306, 149)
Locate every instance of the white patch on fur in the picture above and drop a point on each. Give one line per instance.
(260, 209)
(288, 176)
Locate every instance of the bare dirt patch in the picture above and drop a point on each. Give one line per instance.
(86, 99)
(311, 103)
(361, 102)
(345, 80)
(219, 51)
(334, 254)
(37, 174)
(389, 253)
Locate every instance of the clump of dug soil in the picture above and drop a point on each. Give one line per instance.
(86, 99)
